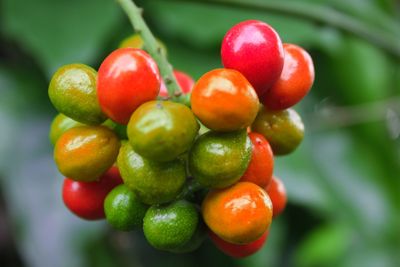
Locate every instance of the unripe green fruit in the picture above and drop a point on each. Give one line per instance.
(218, 159)
(283, 129)
(123, 209)
(162, 130)
(73, 92)
(169, 227)
(153, 182)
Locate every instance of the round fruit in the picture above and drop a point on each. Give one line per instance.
(84, 153)
(184, 80)
(283, 129)
(255, 49)
(239, 214)
(72, 91)
(168, 227)
(295, 81)
(136, 41)
(220, 159)
(277, 192)
(127, 78)
(261, 164)
(123, 209)
(224, 100)
(162, 130)
(86, 199)
(60, 124)
(153, 182)
(238, 251)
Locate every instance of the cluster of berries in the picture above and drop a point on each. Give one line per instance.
(181, 172)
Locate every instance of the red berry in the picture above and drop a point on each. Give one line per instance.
(126, 79)
(261, 165)
(238, 251)
(277, 193)
(184, 80)
(86, 199)
(295, 81)
(255, 49)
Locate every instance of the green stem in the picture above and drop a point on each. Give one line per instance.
(320, 14)
(190, 187)
(135, 16)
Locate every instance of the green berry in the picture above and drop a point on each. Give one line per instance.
(168, 227)
(123, 209)
(283, 129)
(152, 181)
(218, 159)
(162, 130)
(73, 92)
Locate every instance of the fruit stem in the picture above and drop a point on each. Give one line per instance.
(190, 188)
(320, 14)
(134, 14)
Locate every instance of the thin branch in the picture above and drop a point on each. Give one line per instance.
(152, 46)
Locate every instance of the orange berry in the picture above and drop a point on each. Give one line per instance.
(261, 164)
(224, 100)
(239, 214)
(295, 81)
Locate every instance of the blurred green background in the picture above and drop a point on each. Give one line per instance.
(343, 182)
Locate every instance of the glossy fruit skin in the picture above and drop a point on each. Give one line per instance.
(168, 227)
(184, 80)
(136, 41)
(238, 251)
(72, 91)
(127, 78)
(123, 209)
(254, 48)
(60, 124)
(239, 214)
(283, 129)
(162, 130)
(261, 165)
(153, 182)
(277, 192)
(295, 82)
(223, 100)
(86, 199)
(84, 153)
(218, 160)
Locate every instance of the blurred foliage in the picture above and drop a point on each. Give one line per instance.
(343, 182)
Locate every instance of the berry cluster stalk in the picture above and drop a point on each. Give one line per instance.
(153, 48)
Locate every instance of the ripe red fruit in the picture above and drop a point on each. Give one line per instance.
(277, 193)
(295, 81)
(238, 251)
(86, 199)
(261, 165)
(184, 80)
(126, 79)
(255, 49)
